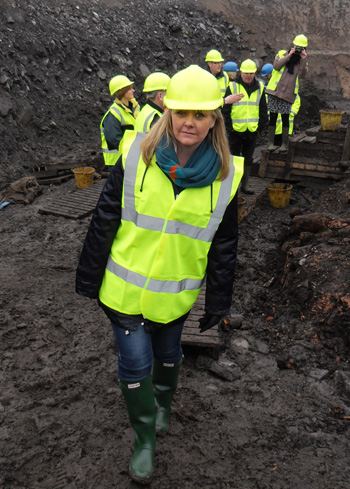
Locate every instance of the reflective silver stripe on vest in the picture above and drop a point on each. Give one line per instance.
(246, 103)
(147, 120)
(129, 212)
(234, 86)
(117, 111)
(125, 274)
(165, 286)
(239, 121)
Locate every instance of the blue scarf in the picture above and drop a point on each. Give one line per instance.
(201, 169)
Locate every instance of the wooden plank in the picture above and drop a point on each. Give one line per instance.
(310, 139)
(53, 180)
(297, 137)
(346, 147)
(300, 158)
(317, 146)
(331, 176)
(313, 131)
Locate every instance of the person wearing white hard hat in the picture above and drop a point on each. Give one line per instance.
(283, 87)
(155, 89)
(166, 220)
(245, 116)
(120, 117)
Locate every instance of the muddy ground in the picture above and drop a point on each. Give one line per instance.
(271, 412)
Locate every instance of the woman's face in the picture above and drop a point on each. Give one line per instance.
(190, 127)
(130, 93)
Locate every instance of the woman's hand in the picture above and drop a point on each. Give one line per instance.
(232, 99)
(291, 52)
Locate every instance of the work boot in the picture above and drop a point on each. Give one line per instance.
(271, 138)
(244, 182)
(285, 138)
(165, 377)
(139, 400)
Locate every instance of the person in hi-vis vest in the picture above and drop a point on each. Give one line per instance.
(119, 117)
(154, 87)
(283, 87)
(166, 220)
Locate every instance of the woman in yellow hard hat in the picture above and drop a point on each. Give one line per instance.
(166, 221)
(283, 87)
(119, 117)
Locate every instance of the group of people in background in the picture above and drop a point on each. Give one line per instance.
(167, 218)
(250, 104)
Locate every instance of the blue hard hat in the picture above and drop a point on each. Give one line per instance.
(230, 66)
(266, 69)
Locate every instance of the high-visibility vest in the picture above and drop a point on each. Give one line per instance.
(223, 83)
(158, 259)
(145, 118)
(245, 113)
(294, 110)
(276, 75)
(127, 120)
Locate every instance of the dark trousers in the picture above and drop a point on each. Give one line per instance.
(243, 144)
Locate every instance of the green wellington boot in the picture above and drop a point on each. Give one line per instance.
(285, 138)
(271, 138)
(245, 179)
(139, 400)
(165, 377)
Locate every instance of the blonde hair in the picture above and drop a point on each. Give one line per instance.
(163, 127)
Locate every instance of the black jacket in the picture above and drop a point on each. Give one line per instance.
(104, 225)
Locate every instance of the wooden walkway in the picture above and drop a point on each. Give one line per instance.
(76, 205)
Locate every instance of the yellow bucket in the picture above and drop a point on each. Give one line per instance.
(84, 177)
(279, 194)
(330, 120)
(241, 204)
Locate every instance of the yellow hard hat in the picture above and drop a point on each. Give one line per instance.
(214, 56)
(301, 40)
(248, 66)
(118, 82)
(193, 89)
(156, 81)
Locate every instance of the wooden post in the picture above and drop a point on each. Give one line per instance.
(289, 160)
(263, 163)
(346, 147)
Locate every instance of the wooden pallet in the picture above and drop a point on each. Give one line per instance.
(79, 204)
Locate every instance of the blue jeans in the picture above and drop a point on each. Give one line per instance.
(137, 348)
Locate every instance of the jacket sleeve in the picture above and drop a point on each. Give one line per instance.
(226, 114)
(263, 117)
(102, 230)
(113, 132)
(222, 263)
(280, 61)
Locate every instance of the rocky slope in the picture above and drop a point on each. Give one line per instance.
(56, 59)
